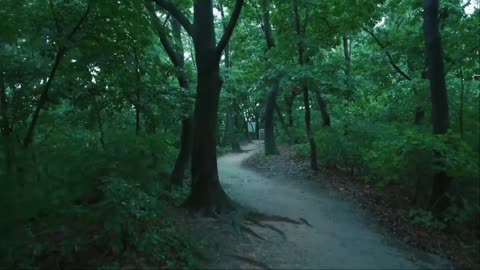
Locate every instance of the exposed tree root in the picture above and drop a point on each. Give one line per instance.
(256, 223)
(284, 236)
(305, 222)
(251, 232)
(254, 216)
(250, 261)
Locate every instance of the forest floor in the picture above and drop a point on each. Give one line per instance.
(321, 228)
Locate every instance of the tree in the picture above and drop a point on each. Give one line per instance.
(438, 91)
(178, 61)
(270, 145)
(207, 193)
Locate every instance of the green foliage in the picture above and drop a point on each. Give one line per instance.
(300, 150)
(427, 219)
(104, 201)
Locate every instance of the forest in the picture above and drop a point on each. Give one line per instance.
(227, 134)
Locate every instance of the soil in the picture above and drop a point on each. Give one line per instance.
(306, 224)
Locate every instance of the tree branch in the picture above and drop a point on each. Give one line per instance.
(79, 23)
(390, 58)
(230, 27)
(177, 14)
(44, 95)
(174, 57)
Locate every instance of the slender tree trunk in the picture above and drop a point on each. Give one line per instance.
(232, 138)
(5, 127)
(184, 155)
(43, 97)
(348, 63)
(309, 131)
(302, 60)
(460, 115)
(282, 121)
(438, 92)
(257, 127)
(270, 146)
(177, 59)
(137, 115)
(4, 123)
(322, 105)
(44, 94)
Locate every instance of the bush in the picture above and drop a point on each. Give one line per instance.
(70, 202)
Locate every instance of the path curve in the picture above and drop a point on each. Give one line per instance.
(342, 236)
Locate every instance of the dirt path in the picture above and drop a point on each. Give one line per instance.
(340, 236)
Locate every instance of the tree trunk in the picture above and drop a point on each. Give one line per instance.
(177, 59)
(6, 129)
(322, 105)
(270, 145)
(438, 92)
(207, 193)
(348, 60)
(308, 128)
(231, 130)
(257, 127)
(183, 157)
(302, 60)
(460, 115)
(282, 121)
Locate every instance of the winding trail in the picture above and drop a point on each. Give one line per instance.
(341, 236)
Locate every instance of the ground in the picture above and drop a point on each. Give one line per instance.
(321, 229)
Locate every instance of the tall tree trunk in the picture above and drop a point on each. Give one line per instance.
(270, 146)
(5, 128)
(348, 63)
(282, 121)
(43, 97)
(184, 155)
(302, 60)
(177, 59)
(207, 193)
(322, 105)
(308, 128)
(438, 92)
(231, 129)
(460, 114)
(4, 123)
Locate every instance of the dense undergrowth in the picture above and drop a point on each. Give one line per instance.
(71, 203)
(399, 157)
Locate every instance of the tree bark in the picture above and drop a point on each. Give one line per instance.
(207, 193)
(183, 157)
(6, 129)
(231, 115)
(282, 121)
(348, 63)
(177, 59)
(309, 131)
(270, 145)
(460, 114)
(300, 31)
(4, 123)
(438, 92)
(322, 105)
